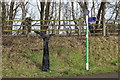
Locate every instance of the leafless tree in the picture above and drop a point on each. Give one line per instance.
(3, 16)
(44, 14)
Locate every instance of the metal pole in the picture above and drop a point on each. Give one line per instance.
(87, 43)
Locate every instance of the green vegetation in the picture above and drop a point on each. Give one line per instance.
(23, 57)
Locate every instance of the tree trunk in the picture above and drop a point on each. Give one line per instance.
(23, 18)
(83, 7)
(59, 16)
(45, 61)
(117, 9)
(11, 15)
(0, 13)
(42, 15)
(44, 12)
(47, 11)
(3, 17)
(98, 15)
(76, 31)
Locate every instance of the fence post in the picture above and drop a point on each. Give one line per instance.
(104, 28)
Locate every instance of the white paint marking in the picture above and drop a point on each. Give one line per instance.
(87, 67)
(86, 35)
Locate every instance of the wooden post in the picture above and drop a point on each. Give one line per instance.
(81, 26)
(103, 18)
(104, 28)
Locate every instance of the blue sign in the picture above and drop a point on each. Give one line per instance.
(91, 19)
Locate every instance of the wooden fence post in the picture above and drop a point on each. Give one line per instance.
(104, 28)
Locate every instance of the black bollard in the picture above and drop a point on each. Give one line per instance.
(45, 62)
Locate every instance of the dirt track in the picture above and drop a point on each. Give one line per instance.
(105, 75)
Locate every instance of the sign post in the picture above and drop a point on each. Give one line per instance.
(87, 43)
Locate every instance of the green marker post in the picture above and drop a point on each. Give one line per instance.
(87, 42)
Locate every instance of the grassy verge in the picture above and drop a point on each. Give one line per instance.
(23, 57)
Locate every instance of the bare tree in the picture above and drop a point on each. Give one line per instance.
(99, 12)
(42, 14)
(59, 16)
(3, 16)
(9, 11)
(27, 25)
(24, 13)
(81, 20)
(11, 15)
(117, 8)
(47, 13)
(83, 6)
(73, 16)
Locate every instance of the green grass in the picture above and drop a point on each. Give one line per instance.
(67, 58)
